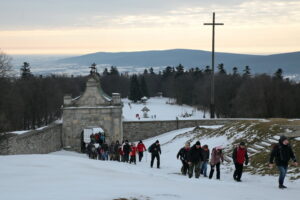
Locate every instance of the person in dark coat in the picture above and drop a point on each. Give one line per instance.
(205, 154)
(126, 151)
(111, 150)
(155, 151)
(91, 150)
(195, 158)
(239, 156)
(283, 153)
(215, 161)
(117, 147)
(183, 155)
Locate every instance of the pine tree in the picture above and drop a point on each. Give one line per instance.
(235, 70)
(144, 88)
(25, 70)
(247, 72)
(221, 69)
(135, 92)
(278, 74)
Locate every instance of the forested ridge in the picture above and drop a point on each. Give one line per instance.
(29, 101)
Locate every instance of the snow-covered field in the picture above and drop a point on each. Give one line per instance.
(71, 176)
(159, 110)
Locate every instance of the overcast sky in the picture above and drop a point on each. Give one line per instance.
(85, 26)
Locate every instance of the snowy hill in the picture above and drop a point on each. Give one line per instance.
(66, 175)
(160, 109)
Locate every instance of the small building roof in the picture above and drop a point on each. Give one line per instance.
(145, 109)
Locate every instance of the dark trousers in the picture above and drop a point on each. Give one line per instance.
(185, 167)
(282, 173)
(132, 159)
(212, 169)
(153, 156)
(195, 166)
(126, 157)
(141, 154)
(237, 175)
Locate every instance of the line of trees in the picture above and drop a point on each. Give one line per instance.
(30, 101)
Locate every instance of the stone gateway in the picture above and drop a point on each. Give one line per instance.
(92, 109)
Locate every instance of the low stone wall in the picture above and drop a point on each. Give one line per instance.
(42, 141)
(139, 130)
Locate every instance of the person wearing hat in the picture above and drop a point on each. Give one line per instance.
(215, 161)
(155, 151)
(282, 152)
(239, 156)
(183, 154)
(195, 158)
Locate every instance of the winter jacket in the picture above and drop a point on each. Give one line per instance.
(104, 147)
(195, 155)
(205, 155)
(126, 148)
(240, 155)
(183, 153)
(141, 147)
(112, 148)
(282, 154)
(155, 149)
(216, 157)
(133, 151)
(117, 147)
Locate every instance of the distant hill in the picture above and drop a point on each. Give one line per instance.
(289, 62)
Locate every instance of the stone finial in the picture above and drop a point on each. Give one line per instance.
(116, 98)
(67, 99)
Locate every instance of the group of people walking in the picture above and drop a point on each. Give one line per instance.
(125, 152)
(196, 158)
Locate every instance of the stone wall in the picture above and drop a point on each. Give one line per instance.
(139, 130)
(42, 141)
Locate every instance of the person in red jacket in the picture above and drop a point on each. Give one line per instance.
(132, 154)
(239, 156)
(141, 148)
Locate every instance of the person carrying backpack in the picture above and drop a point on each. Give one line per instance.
(195, 158)
(239, 156)
(155, 151)
(283, 153)
(141, 148)
(183, 155)
(215, 161)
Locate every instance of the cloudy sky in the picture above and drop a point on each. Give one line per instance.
(85, 26)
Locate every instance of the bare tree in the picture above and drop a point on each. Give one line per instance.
(5, 64)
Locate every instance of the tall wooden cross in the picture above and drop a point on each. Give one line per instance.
(212, 87)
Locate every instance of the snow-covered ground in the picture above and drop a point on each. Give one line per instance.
(159, 110)
(71, 176)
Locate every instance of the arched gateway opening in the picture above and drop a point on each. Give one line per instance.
(95, 135)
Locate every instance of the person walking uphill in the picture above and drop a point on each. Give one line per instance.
(282, 152)
(155, 151)
(215, 161)
(195, 158)
(239, 156)
(183, 155)
(141, 148)
(126, 150)
(205, 153)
